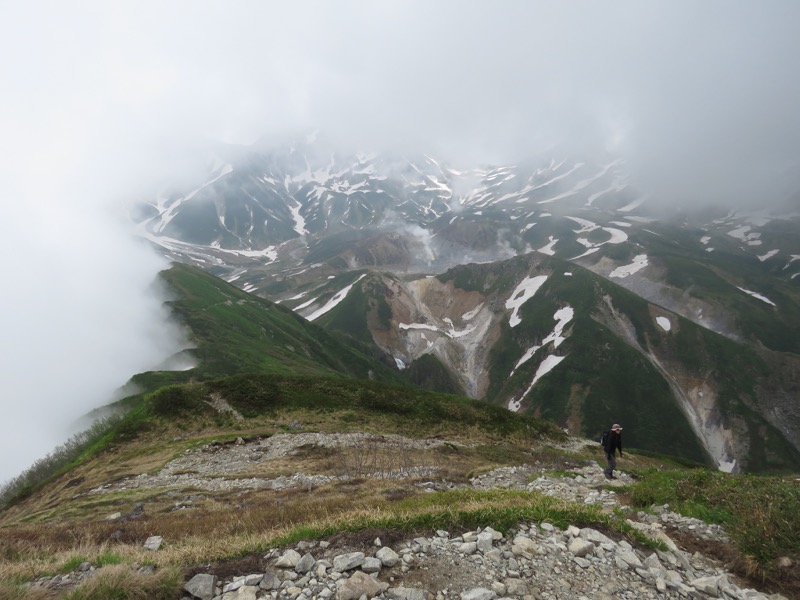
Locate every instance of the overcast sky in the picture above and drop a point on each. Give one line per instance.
(99, 101)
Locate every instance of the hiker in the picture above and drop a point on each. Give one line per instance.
(612, 440)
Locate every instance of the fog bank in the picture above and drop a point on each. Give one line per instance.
(105, 102)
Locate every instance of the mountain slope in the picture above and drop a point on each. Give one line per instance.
(352, 242)
(236, 332)
(539, 335)
(236, 471)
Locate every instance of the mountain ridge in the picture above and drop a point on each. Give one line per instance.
(219, 464)
(330, 219)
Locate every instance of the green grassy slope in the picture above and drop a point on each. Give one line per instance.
(715, 276)
(606, 377)
(255, 395)
(236, 332)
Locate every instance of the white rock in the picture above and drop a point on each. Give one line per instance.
(153, 542)
(478, 594)
(305, 564)
(348, 561)
(288, 559)
(595, 536)
(371, 565)
(707, 585)
(202, 586)
(404, 593)
(581, 547)
(469, 536)
(629, 556)
(387, 556)
(468, 548)
(485, 541)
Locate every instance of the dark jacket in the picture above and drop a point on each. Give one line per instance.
(613, 443)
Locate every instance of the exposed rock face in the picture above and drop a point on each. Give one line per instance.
(456, 326)
(696, 397)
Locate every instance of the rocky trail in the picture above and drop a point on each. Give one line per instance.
(536, 561)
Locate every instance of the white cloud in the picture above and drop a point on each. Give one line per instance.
(102, 101)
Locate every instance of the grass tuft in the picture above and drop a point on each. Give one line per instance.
(760, 513)
(120, 582)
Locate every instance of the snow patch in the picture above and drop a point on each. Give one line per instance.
(547, 365)
(587, 253)
(405, 326)
(167, 215)
(664, 323)
(562, 316)
(792, 258)
(768, 255)
(468, 316)
(305, 304)
(524, 291)
(756, 295)
(548, 249)
(705, 239)
(743, 233)
(525, 358)
(338, 297)
(617, 187)
(586, 226)
(617, 236)
(299, 221)
(632, 206)
(639, 262)
(558, 177)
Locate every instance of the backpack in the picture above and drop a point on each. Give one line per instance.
(604, 439)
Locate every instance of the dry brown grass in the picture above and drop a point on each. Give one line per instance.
(196, 539)
(219, 523)
(62, 520)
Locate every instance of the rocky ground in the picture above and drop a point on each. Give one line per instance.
(537, 561)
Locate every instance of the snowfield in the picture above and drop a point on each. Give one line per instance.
(338, 297)
(523, 292)
(639, 262)
(756, 295)
(664, 323)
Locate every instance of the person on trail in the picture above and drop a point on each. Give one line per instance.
(612, 441)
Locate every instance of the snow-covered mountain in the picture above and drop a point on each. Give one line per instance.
(351, 241)
(278, 206)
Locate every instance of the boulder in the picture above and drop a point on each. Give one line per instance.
(478, 594)
(305, 564)
(581, 547)
(153, 542)
(202, 586)
(404, 593)
(346, 562)
(288, 559)
(360, 584)
(387, 556)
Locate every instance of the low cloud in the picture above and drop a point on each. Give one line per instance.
(103, 103)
